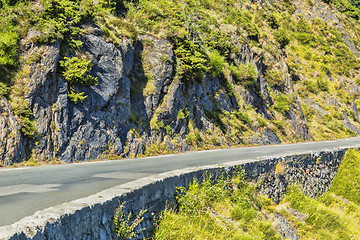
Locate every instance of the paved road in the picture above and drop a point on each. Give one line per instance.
(23, 191)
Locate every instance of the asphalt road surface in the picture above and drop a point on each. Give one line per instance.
(23, 191)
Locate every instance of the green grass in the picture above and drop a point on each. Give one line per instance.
(232, 209)
(329, 217)
(347, 180)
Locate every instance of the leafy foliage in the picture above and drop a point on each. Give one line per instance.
(282, 103)
(22, 110)
(75, 71)
(282, 38)
(125, 226)
(216, 63)
(244, 73)
(191, 62)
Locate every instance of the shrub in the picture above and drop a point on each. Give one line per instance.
(282, 103)
(3, 89)
(60, 19)
(243, 117)
(221, 42)
(191, 62)
(273, 21)
(322, 84)
(274, 77)
(75, 71)
(8, 47)
(282, 38)
(22, 110)
(216, 63)
(244, 73)
(261, 121)
(76, 96)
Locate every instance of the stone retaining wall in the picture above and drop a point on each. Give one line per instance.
(92, 217)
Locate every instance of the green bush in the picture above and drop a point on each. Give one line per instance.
(125, 227)
(274, 77)
(8, 46)
(244, 73)
(282, 38)
(191, 61)
(273, 21)
(75, 71)
(76, 96)
(4, 89)
(243, 117)
(221, 42)
(216, 63)
(282, 103)
(22, 110)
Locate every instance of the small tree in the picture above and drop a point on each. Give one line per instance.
(75, 71)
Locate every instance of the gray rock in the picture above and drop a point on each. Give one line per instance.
(42, 94)
(11, 141)
(330, 77)
(350, 125)
(354, 108)
(264, 91)
(287, 231)
(270, 137)
(354, 88)
(265, 138)
(315, 106)
(151, 75)
(98, 124)
(254, 100)
(332, 101)
(296, 114)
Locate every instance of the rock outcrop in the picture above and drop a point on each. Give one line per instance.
(11, 140)
(138, 102)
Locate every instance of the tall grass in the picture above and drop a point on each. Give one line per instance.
(232, 209)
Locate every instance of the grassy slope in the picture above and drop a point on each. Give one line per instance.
(233, 210)
(206, 35)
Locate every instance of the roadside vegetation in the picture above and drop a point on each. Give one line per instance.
(232, 209)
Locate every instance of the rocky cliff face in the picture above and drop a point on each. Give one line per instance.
(12, 145)
(137, 103)
(141, 105)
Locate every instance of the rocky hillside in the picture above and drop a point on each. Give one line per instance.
(82, 80)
